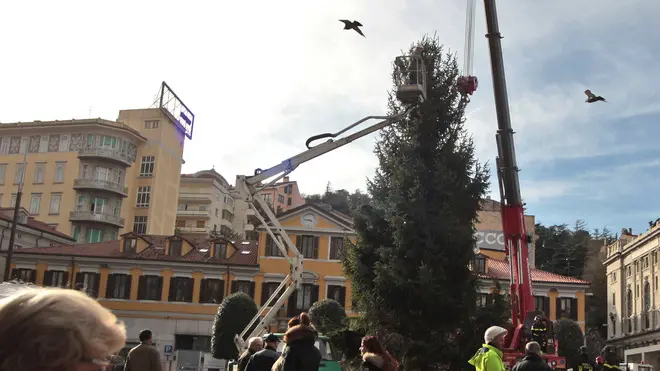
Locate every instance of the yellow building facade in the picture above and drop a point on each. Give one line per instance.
(95, 179)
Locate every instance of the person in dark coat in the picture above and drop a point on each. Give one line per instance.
(532, 360)
(610, 359)
(301, 353)
(375, 357)
(255, 344)
(264, 359)
(583, 362)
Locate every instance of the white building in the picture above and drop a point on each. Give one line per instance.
(634, 307)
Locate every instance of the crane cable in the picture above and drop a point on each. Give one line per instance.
(469, 38)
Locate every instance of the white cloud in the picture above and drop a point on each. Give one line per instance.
(263, 76)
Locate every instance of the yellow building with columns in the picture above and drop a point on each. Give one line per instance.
(95, 179)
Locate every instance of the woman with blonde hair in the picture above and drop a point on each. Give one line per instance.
(57, 330)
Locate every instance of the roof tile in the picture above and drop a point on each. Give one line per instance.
(245, 254)
(499, 270)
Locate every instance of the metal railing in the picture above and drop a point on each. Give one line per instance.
(204, 213)
(106, 152)
(101, 184)
(88, 216)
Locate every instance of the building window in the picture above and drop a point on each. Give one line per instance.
(18, 173)
(56, 278)
(246, 287)
(150, 287)
(117, 209)
(288, 201)
(12, 200)
(211, 291)
(628, 271)
(268, 198)
(3, 172)
(271, 247)
(88, 283)
(24, 275)
(614, 299)
(147, 165)
(482, 300)
(59, 172)
(280, 199)
(130, 245)
(220, 250)
(228, 216)
(181, 289)
(151, 124)
(99, 205)
(183, 207)
(35, 202)
(39, 171)
(613, 277)
(203, 208)
(542, 304)
(64, 143)
(143, 196)
(308, 246)
(217, 212)
(336, 248)
(479, 264)
(140, 225)
(201, 224)
(337, 293)
(305, 297)
(119, 286)
(175, 247)
(567, 308)
(645, 262)
(267, 290)
(55, 199)
(94, 235)
(179, 223)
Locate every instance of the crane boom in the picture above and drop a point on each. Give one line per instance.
(516, 239)
(248, 189)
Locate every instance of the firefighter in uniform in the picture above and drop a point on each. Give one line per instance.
(610, 359)
(540, 333)
(585, 364)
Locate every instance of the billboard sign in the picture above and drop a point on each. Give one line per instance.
(490, 240)
(176, 110)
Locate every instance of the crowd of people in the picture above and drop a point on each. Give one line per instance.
(66, 330)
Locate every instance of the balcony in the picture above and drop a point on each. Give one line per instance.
(88, 216)
(201, 230)
(203, 197)
(102, 185)
(105, 153)
(194, 213)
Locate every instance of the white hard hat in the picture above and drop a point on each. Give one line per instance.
(493, 332)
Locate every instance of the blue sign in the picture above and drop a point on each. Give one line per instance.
(177, 110)
(169, 349)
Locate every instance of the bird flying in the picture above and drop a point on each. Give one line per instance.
(591, 97)
(355, 25)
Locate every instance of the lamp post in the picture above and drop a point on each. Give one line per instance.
(17, 207)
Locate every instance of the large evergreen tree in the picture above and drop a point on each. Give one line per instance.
(409, 269)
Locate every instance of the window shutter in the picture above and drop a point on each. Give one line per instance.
(160, 288)
(299, 243)
(264, 293)
(574, 312)
(221, 292)
(33, 275)
(203, 291)
(252, 290)
(48, 278)
(110, 286)
(127, 287)
(546, 307)
(190, 284)
(316, 247)
(269, 244)
(97, 281)
(142, 288)
(291, 304)
(80, 279)
(172, 293)
(65, 279)
(234, 286)
(557, 308)
(342, 296)
(315, 294)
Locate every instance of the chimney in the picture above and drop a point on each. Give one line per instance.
(285, 179)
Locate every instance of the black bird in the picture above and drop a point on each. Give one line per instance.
(355, 25)
(591, 97)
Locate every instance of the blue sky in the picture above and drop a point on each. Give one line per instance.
(262, 76)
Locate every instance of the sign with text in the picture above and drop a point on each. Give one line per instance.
(490, 240)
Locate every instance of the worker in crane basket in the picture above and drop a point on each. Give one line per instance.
(540, 333)
(489, 357)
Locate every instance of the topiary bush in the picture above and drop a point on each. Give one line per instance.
(234, 313)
